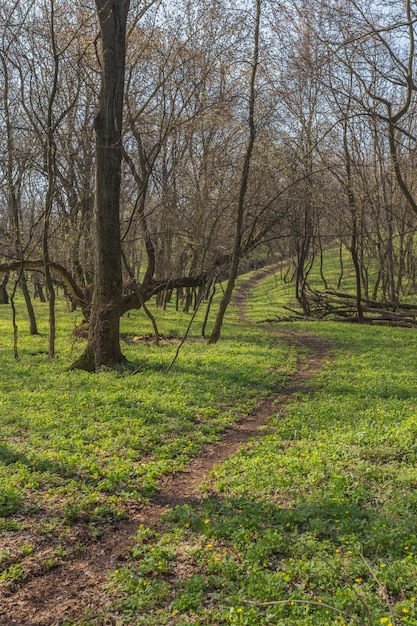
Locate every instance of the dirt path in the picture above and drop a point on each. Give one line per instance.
(245, 288)
(76, 586)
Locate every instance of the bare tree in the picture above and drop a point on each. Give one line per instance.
(237, 247)
(104, 338)
(16, 161)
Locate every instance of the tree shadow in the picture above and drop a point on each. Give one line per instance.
(9, 456)
(319, 551)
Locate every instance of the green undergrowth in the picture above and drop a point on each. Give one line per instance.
(83, 450)
(274, 298)
(313, 524)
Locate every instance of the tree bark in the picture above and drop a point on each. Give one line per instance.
(237, 248)
(104, 331)
(4, 296)
(33, 328)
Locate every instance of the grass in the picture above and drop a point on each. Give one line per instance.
(313, 524)
(82, 450)
(275, 297)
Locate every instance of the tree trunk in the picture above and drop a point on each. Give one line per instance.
(188, 300)
(38, 290)
(104, 332)
(354, 247)
(4, 296)
(234, 265)
(29, 306)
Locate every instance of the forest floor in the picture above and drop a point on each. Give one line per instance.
(76, 585)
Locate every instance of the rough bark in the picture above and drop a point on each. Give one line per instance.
(104, 331)
(4, 296)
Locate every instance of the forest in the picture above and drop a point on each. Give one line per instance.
(241, 135)
(193, 197)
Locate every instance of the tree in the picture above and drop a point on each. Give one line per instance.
(103, 346)
(237, 247)
(15, 159)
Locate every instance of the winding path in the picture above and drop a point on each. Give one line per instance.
(76, 586)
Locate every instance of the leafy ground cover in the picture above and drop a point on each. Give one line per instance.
(274, 297)
(80, 451)
(315, 523)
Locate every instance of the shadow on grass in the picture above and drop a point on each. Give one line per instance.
(9, 456)
(242, 520)
(317, 552)
(86, 501)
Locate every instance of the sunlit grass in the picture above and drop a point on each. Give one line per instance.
(313, 524)
(85, 448)
(274, 298)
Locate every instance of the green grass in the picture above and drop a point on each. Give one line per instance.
(82, 449)
(275, 297)
(315, 523)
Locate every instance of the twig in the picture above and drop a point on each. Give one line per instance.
(183, 340)
(315, 603)
(382, 588)
(138, 369)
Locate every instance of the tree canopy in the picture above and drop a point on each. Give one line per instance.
(215, 151)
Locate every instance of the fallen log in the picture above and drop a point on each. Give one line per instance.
(331, 303)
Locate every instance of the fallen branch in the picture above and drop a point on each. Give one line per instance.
(335, 304)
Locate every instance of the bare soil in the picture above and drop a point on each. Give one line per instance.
(47, 598)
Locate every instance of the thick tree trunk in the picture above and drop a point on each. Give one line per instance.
(104, 332)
